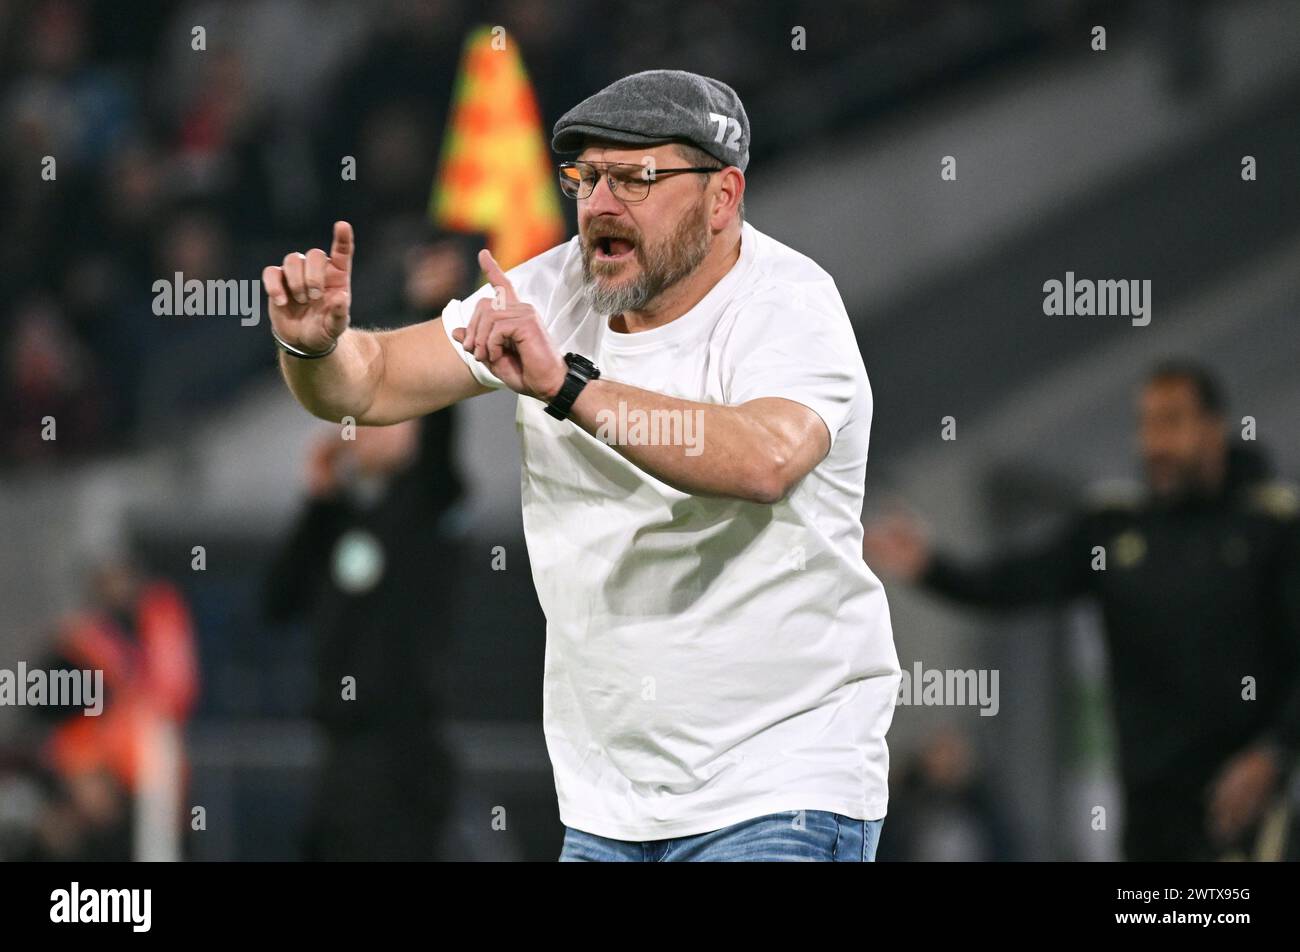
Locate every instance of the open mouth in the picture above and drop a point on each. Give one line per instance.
(614, 249)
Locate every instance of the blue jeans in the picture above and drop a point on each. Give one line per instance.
(807, 836)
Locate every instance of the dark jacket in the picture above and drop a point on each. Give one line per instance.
(1197, 597)
(377, 586)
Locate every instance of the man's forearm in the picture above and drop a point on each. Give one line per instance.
(342, 384)
(703, 449)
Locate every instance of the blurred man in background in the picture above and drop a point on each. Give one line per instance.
(1198, 579)
(51, 386)
(367, 567)
(381, 521)
(139, 633)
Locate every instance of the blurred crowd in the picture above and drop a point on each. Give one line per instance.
(131, 155)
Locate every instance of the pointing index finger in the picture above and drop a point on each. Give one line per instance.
(341, 249)
(496, 277)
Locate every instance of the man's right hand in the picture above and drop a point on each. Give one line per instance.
(310, 293)
(897, 546)
(375, 377)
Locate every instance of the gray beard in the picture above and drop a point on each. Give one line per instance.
(606, 300)
(661, 267)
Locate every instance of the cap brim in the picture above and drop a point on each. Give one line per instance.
(571, 138)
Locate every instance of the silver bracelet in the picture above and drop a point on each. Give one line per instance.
(301, 354)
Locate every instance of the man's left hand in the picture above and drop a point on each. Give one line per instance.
(508, 337)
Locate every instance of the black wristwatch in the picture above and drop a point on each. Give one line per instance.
(581, 372)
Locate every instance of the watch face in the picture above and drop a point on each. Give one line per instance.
(578, 362)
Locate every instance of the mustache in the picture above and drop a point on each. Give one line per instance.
(597, 232)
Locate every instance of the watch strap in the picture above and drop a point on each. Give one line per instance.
(581, 372)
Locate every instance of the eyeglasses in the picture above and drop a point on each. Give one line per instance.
(628, 182)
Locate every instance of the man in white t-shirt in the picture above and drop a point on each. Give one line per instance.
(693, 417)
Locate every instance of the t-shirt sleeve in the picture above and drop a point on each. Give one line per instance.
(457, 314)
(798, 347)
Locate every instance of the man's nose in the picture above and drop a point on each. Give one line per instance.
(602, 200)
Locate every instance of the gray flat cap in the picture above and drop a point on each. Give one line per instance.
(657, 105)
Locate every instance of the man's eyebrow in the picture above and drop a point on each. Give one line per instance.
(604, 164)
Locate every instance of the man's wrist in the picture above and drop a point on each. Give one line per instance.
(300, 353)
(552, 391)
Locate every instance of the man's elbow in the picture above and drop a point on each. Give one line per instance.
(332, 411)
(771, 480)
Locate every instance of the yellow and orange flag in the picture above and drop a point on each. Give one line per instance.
(495, 174)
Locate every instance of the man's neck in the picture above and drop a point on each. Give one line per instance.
(1214, 476)
(1206, 490)
(685, 294)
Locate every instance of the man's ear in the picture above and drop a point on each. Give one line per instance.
(731, 190)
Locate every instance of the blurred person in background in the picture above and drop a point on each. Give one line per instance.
(138, 631)
(224, 140)
(1200, 591)
(59, 104)
(56, 404)
(381, 521)
(170, 366)
(367, 566)
(943, 810)
(418, 269)
(408, 66)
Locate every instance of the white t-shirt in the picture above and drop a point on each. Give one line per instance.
(707, 660)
